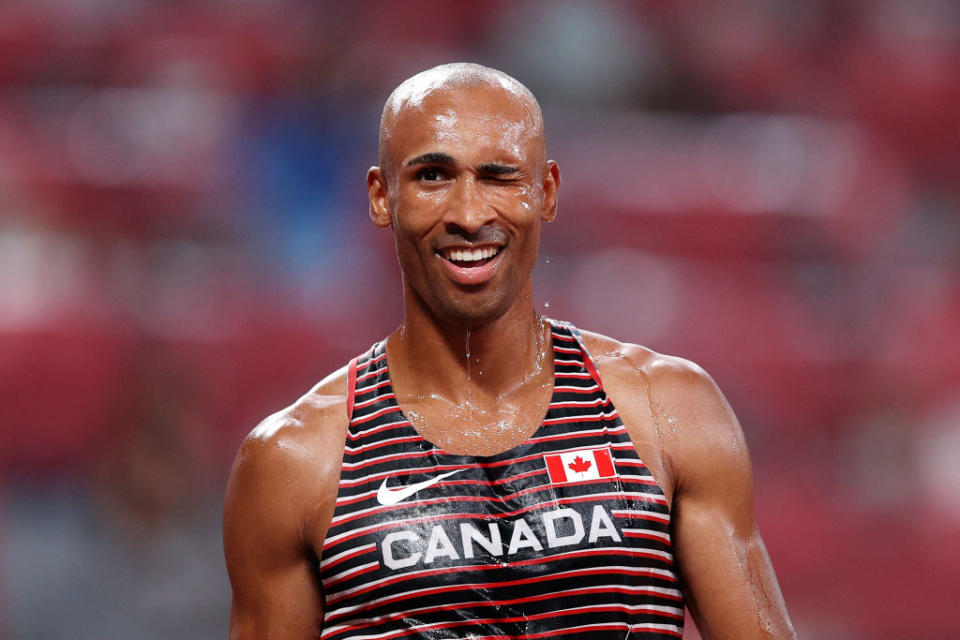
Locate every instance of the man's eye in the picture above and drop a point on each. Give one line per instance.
(430, 174)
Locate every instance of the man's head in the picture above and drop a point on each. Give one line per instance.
(464, 182)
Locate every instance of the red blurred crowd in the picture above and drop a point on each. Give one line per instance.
(771, 189)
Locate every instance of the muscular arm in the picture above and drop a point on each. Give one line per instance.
(279, 502)
(729, 583)
(688, 436)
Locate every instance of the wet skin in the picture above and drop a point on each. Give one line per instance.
(466, 169)
(466, 166)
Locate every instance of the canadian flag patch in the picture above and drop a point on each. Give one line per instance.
(582, 464)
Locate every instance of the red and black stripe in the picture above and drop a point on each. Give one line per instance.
(583, 559)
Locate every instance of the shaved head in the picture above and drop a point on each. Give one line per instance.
(463, 166)
(412, 95)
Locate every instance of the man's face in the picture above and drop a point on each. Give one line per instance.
(465, 184)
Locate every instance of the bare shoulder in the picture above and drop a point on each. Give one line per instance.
(623, 363)
(304, 430)
(294, 455)
(695, 426)
(280, 498)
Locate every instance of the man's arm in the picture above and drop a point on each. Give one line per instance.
(279, 502)
(689, 438)
(728, 580)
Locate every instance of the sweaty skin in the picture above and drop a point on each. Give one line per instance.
(463, 164)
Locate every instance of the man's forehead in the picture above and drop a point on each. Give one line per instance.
(450, 107)
(460, 104)
(483, 119)
(451, 112)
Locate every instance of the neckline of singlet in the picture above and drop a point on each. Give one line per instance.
(529, 441)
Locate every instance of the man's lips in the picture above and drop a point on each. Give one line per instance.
(470, 265)
(464, 255)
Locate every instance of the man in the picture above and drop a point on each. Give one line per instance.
(486, 472)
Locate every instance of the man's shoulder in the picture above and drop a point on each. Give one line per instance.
(671, 395)
(310, 431)
(626, 363)
(283, 484)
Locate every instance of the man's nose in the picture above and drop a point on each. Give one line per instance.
(466, 207)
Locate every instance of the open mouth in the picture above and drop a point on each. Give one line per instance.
(469, 257)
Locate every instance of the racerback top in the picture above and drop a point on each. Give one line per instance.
(565, 536)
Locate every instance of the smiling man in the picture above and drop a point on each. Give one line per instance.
(485, 472)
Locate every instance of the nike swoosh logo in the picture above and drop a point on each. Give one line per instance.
(389, 497)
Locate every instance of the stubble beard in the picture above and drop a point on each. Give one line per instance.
(464, 310)
(463, 307)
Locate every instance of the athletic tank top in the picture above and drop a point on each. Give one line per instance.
(565, 536)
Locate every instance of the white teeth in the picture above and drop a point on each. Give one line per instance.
(470, 255)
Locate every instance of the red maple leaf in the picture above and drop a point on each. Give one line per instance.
(579, 464)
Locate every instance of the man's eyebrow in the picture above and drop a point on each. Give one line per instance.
(434, 157)
(495, 169)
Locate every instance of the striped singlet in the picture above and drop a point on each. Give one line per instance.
(565, 536)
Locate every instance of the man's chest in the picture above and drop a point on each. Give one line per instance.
(577, 510)
(481, 424)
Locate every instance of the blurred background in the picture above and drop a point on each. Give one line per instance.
(771, 189)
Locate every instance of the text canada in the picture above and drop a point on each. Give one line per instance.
(560, 528)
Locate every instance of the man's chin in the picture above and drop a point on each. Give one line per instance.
(472, 313)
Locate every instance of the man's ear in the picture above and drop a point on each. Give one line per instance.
(377, 191)
(551, 183)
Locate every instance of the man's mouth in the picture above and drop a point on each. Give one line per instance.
(469, 257)
(470, 266)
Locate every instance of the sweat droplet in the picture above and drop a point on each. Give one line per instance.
(546, 304)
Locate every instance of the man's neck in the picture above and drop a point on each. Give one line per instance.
(453, 361)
